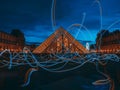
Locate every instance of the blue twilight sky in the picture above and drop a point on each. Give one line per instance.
(33, 17)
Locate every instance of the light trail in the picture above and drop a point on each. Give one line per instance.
(48, 65)
(53, 14)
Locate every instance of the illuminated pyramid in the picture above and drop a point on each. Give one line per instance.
(60, 42)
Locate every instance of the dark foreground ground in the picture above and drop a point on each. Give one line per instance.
(79, 79)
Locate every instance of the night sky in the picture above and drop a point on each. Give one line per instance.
(33, 17)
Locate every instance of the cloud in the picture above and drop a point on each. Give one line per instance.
(39, 33)
(33, 17)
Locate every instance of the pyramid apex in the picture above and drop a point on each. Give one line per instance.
(61, 29)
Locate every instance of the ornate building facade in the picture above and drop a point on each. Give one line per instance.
(13, 42)
(109, 41)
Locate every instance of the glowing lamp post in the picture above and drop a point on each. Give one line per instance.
(87, 46)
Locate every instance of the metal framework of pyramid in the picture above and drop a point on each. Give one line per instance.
(60, 42)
